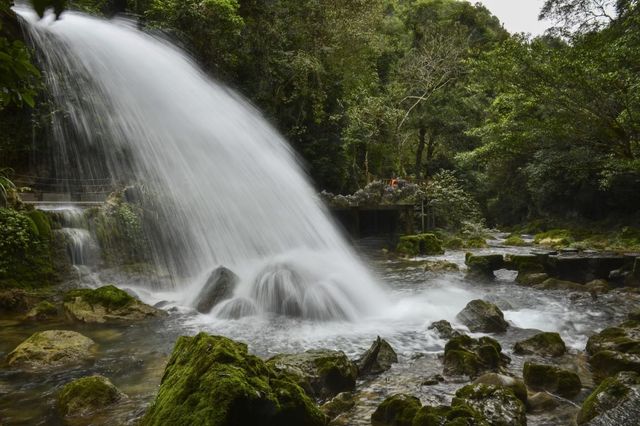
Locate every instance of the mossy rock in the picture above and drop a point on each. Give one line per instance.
(322, 373)
(623, 338)
(42, 311)
(556, 284)
(552, 379)
(444, 329)
(555, 238)
(475, 243)
(421, 244)
(542, 344)
(484, 265)
(42, 223)
(497, 404)
(106, 304)
(213, 381)
(531, 279)
(515, 240)
(377, 359)
(14, 301)
(339, 404)
(607, 363)
(85, 396)
(483, 317)
(517, 386)
(440, 266)
(51, 349)
(459, 415)
(466, 356)
(454, 243)
(615, 398)
(524, 263)
(396, 410)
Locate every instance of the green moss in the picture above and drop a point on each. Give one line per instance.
(454, 243)
(108, 296)
(607, 395)
(484, 264)
(552, 379)
(422, 244)
(43, 310)
(461, 414)
(42, 223)
(545, 344)
(555, 238)
(211, 380)
(475, 242)
(515, 240)
(86, 395)
(497, 405)
(607, 363)
(464, 355)
(396, 410)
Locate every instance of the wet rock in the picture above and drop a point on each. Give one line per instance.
(465, 356)
(83, 397)
(556, 284)
(516, 385)
(497, 404)
(615, 349)
(524, 263)
(440, 266)
(396, 410)
(552, 379)
(530, 279)
(540, 402)
(460, 414)
(444, 329)
(433, 380)
(322, 373)
(484, 265)
(42, 311)
(598, 286)
(483, 317)
(51, 349)
(542, 344)
(213, 380)
(220, 286)
(106, 304)
(341, 403)
(422, 244)
(377, 359)
(14, 300)
(615, 402)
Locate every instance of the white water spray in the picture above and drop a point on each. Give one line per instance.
(232, 191)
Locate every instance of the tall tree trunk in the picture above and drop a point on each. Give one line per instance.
(422, 136)
(431, 147)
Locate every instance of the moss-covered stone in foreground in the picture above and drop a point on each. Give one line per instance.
(612, 394)
(497, 404)
(465, 356)
(396, 410)
(213, 381)
(552, 379)
(87, 395)
(422, 244)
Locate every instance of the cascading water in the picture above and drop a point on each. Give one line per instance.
(232, 192)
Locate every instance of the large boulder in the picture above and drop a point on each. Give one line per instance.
(396, 410)
(51, 349)
(530, 279)
(465, 356)
(497, 404)
(322, 373)
(552, 379)
(106, 304)
(212, 380)
(85, 396)
(615, 402)
(483, 317)
(220, 286)
(542, 344)
(377, 359)
(615, 349)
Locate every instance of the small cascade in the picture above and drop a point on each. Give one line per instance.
(82, 248)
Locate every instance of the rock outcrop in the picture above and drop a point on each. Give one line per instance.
(615, 402)
(542, 344)
(552, 379)
(615, 349)
(220, 286)
(377, 359)
(51, 349)
(483, 317)
(85, 396)
(212, 380)
(465, 356)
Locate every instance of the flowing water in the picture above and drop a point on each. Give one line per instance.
(232, 194)
(137, 110)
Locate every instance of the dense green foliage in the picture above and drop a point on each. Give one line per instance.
(431, 89)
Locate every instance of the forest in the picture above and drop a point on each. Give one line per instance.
(368, 90)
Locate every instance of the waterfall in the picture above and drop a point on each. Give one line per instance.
(136, 109)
